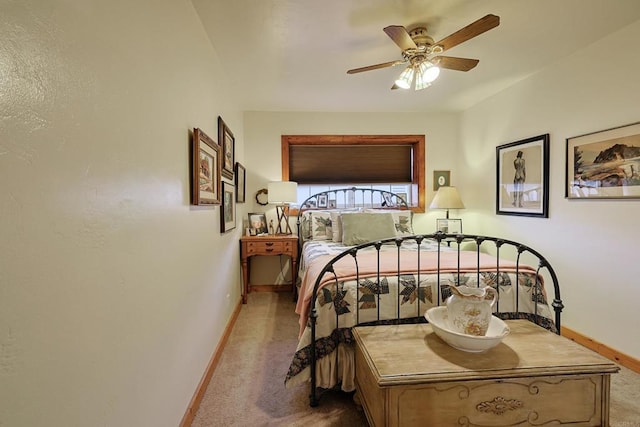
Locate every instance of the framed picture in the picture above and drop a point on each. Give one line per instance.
(241, 186)
(205, 170)
(257, 223)
(441, 179)
(449, 226)
(604, 164)
(322, 200)
(332, 204)
(228, 208)
(522, 177)
(228, 142)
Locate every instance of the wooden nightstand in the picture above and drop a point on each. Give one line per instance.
(267, 246)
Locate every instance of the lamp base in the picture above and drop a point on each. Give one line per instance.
(282, 211)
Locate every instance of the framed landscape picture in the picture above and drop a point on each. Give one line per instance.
(228, 142)
(228, 208)
(604, 164)
(205, 170)
(522, 176)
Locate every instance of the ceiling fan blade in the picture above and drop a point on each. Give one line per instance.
(470, 31)
(375, 67)
(453, 63)
(400, 36)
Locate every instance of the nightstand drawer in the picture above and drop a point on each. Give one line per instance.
(258, 248)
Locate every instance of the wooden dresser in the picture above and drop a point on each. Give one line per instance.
(407, 376)
(267, 246)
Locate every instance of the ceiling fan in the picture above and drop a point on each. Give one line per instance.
(423, 55)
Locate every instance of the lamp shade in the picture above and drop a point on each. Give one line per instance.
(406, 78)
(282, 192)
(447, 198)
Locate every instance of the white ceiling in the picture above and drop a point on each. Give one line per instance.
(292, 55)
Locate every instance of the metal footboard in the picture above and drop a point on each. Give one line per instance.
(502, 249)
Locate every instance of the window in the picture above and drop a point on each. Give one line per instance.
(396, 161)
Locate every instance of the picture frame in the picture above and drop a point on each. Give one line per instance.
(205, 169)
(522, 177)
(449, 226)
(322, 200)
(332, 204)
(228, 207)
(441, 179)
(604, 164)
(228, 142)
(241, 184)
(257, 223)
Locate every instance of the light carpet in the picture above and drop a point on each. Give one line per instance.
(247, 387)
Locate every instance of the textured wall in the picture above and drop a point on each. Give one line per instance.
(113, 290)
(590, 243)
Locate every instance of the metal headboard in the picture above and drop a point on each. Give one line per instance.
(350, 198)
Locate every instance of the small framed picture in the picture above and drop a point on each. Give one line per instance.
(332, 204)
(441, 179)
(228, 142)
(449, 226)
(206, 163)
(257, 223)
(240, 183)
(322, 200)
(228, 207)
(522, 175)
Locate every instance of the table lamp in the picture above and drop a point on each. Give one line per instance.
(447, 198)
(281, 194)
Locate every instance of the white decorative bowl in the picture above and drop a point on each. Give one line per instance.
(437, 318)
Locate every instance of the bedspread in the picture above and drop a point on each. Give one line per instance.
(400, 292)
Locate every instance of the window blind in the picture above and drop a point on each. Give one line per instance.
(334, 164)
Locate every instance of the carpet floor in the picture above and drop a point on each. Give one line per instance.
(247, 387)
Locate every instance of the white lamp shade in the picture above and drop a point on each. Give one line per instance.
(406, 78)
(282, 192)
(431, 73)
(447, 198)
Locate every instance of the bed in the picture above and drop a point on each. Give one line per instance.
(361, 263)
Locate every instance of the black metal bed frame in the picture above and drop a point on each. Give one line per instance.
(513, 248)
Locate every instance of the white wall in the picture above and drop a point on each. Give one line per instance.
(113, 290)
(263, 154)
(264, 129)
(591, 243)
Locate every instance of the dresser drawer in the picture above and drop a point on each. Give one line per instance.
(577, 400)
(265, 248)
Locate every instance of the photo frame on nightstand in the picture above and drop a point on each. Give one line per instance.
(449, 226)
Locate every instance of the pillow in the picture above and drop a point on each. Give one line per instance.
(402, 220)
(360, 228)
(321, 228)
(305, 226)
(336, 225)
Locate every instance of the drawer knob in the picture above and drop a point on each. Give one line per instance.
(269, 243)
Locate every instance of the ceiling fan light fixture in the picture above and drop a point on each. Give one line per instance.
(421, 83)
(405, 79)
(429, 72)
